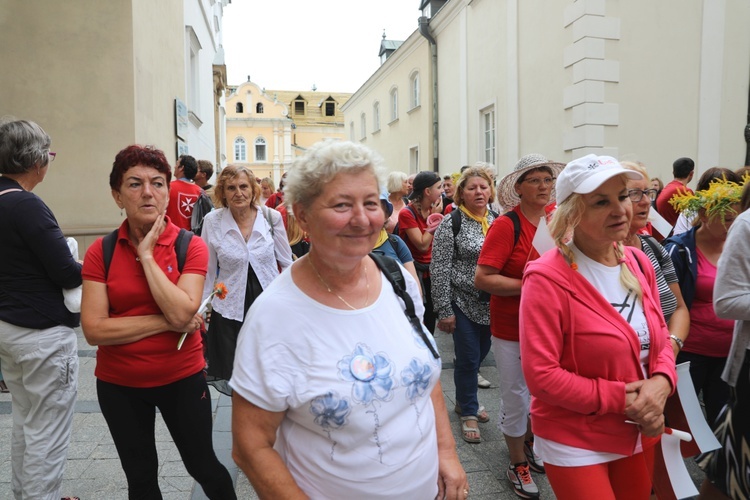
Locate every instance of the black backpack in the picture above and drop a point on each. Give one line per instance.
(180, 247)
(393, 274)
(203, 205)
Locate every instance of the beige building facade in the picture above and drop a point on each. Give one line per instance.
(639, 80)
(267, 129)
(98, 76)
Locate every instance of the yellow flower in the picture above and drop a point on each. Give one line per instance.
(716, 201)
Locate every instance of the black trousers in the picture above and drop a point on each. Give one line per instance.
(706, 374)
(185, 405)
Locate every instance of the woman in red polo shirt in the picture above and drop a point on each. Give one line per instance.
(526, 192)
(135, 310)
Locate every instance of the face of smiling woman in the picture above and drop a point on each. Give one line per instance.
(344, 221)
(143, 194)
(606, 218)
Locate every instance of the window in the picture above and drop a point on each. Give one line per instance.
(363, 126)
(260, 149)
(488, 136)
(351, 131)
(376, 116)
(330, 108)
(238, 107)
(299, 106)
(259, 108)
(240, 149)
(394, 104)
(414, 84)
(193, 67)
(414, 159)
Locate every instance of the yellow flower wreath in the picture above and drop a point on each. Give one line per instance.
(716, 201)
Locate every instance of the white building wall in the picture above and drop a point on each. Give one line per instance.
(204, 19)
(641, 80)
(396, 140)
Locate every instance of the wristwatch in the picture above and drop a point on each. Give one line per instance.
(678, 340)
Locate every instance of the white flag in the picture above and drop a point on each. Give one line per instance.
(659, 222)
(542, 239)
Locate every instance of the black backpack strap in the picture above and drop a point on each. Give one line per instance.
(393, 240)
(181, 245)
(411, 209)
(395, 277)
(651, 241)
(516, 225)
(108, 250)
(455, 216)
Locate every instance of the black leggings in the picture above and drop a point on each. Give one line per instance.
(185, 405)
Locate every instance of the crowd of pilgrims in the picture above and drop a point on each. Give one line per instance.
(325, 296)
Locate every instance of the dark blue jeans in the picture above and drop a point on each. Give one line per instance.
(471, 343)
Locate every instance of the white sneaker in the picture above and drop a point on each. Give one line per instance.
(523, 484)
(482, 382)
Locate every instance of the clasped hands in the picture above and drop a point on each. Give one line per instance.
(644, 403)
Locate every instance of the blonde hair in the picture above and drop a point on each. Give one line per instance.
(636, 167)
(228, 173)
(566, 218)
(294, 233)
(476, 171)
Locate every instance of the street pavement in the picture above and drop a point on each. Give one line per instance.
(93, 469)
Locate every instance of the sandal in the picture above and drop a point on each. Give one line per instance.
(467, 431)
(482, 416)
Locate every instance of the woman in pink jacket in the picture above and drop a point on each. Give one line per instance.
(595, 349)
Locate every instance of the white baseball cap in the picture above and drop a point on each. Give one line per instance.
(584, 175)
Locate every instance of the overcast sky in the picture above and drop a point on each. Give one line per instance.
(295, 44)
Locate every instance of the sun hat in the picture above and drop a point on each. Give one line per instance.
(422, 181)
(584, 175)
(506, 193)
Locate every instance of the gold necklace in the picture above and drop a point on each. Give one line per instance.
(367, 284)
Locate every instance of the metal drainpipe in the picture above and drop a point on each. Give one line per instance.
(424, 30)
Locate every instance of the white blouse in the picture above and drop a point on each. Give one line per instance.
(266, 250)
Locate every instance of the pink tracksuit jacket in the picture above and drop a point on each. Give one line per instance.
(578, 353)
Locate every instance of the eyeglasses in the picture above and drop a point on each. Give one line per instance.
(52, 156)
(536, 181)
(636, 195)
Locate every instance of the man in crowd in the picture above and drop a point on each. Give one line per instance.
(205, 172)
(183, 192)
(682, 171)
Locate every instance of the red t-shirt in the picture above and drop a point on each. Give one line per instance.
(407, 220)
(662, 202)
(155, 360)
(275, 199)
(182, 198)
(498, 252)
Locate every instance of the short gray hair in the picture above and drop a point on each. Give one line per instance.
(396, 182)
(324, 161)
(23, 146)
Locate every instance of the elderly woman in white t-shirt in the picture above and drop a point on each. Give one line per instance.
(336, 386)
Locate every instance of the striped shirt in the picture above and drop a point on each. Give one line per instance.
(665, 274)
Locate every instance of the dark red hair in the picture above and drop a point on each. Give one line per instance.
(131, 156)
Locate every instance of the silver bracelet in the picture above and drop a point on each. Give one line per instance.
(678, 340)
